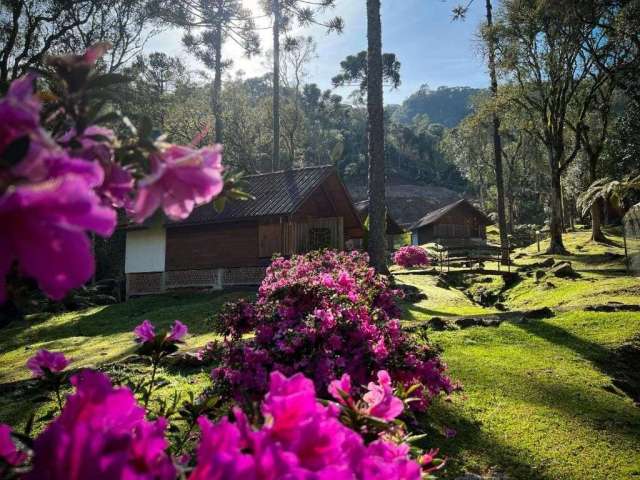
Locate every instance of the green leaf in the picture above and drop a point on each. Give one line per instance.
(106, 80)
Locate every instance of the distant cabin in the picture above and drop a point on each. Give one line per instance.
(293, 211)
(393, 228)
(457, 221)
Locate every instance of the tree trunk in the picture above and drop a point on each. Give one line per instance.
(596, 224)
(597, 235)
(275, 156)
(375, 110)
(497, 143)
(556, 246)
(217, 86)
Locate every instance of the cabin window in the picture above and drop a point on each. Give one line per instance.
(319, 238)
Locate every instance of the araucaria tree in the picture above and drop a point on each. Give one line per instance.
(541, 47)
(375, 110)
(490, 46)
(210, 24)
(284, 13)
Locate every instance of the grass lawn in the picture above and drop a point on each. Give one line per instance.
(538, 401)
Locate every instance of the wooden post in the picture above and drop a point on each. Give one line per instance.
(538, 239)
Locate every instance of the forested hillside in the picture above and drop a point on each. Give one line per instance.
(444, 105)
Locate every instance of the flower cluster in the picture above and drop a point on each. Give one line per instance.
(57, 188)
(323, 314)
(102, 433)
(45, 362)
(301, 438)
(411, 256)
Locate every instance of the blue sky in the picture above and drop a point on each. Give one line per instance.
(432, 49)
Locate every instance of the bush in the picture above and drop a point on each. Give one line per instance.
(411, 256)
(322, 314)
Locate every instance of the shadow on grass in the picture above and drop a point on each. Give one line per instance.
(623, 370)
(476, 447)
(192, 309)
(413, 311)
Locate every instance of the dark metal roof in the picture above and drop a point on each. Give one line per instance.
(275, 193)
(393, 227)
(436, 215)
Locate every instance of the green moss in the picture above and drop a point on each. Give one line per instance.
(535, 403)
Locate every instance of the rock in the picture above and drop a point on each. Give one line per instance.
(613, 307)
(490, 322)
(547, 286)
(500, 306)
(510, 279)
(437, 323)
(563, 270)
(538, 313)
(441, 282)
(539, 275)
(467, 322)
(549, 262)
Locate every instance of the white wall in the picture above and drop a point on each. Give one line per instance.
(145, 250)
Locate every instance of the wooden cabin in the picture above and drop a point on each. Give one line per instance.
(393, 227)
(293, 211)
(457, 221)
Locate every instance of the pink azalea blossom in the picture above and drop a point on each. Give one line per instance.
(338, 388)
(300, 439)
(178, 331)
(44, 228)
(380, 399)
(8, 451)
(19, 112)
(181, 179)
(145, 332)
(45, 360)
(101, 434)
(95, 146)
(411, 256)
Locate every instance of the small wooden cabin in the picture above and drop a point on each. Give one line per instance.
(454, 222)
(293, 211)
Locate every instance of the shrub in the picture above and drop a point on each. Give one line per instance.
(323, 314)
(411, 256)
(102, 433)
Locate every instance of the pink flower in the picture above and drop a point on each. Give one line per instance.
(145, 332)
(411, 256)
(95, 146)
(181, 179)
(101, 434)
(44, 360)
(178, 331)
(44, 228)
(339, 388)
(380, 399)
(19, 112)
(300, 439)
(8, 451)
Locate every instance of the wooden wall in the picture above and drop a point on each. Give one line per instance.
(456, 224)
(212, 246)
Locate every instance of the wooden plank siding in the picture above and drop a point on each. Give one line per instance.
(456, 224)
(212, 246)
